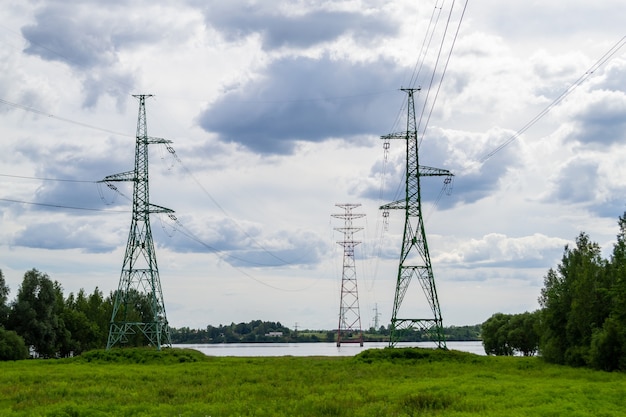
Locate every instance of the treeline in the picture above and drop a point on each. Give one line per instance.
(582, 319)
(258, 331)
(42, 322)
(252, 332)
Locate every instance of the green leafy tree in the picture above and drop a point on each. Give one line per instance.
(608, 346)
(608, 343)
(575, 301)
(4, 296)
(495, 334)
(523, 333)
(35, 314)
(509, 334)
(12, 346)
(99, 311)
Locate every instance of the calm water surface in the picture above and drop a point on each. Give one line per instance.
(314, 349)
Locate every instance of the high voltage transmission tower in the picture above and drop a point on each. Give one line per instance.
(139, 284)
(349, 330)
(414, 257)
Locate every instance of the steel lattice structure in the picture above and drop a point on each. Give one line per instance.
(414, 257)
(349, 314)
(139, 279)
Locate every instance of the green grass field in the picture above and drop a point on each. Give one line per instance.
(387, 382)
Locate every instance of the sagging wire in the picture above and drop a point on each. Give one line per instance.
(171, 150)
(180, 228)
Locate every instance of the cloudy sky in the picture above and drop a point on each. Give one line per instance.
(275, 110)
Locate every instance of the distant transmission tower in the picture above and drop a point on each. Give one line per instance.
(414, 257)
(349, 316)
(376, 317)
(139, 280)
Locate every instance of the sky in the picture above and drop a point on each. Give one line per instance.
(275, 110)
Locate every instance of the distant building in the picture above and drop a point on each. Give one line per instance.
(274, 334)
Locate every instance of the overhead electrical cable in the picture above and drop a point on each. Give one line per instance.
(9, 200)
(206, 192)
(222, 255)
(445, 67)
(46, 179)
(63, 119)
(569, 90)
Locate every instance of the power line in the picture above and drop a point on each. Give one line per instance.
(46, 179)
(588, 74)
(9, 200)
(206, 192)
(63, 119)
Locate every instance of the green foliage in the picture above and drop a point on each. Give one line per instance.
(509, 334)
(583, 316)
(424, 383)
(414, 355)
(253, 332)
(35, 314)
(146, 356)
(463, 333)
(12, 347)
(4, 294)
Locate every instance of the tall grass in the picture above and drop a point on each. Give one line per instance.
(387, 382)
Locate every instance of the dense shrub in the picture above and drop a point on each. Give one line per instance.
(12, 346)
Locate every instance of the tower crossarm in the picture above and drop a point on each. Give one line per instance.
(151, 140)
(158, 209)
(425, 171)
(123, 176)
(396, 205)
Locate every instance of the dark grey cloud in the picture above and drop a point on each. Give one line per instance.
(305, 99)
(239, 19)
(76, 169)
(240, 244)
(68, 33)
(62, 235)
(475, 177)
(580, 182)
(601, 121)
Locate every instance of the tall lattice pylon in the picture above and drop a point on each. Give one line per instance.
(139, 281)
(349, 329)
(414, 257)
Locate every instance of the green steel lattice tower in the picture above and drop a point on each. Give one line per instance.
(414, 257)
(140, 273)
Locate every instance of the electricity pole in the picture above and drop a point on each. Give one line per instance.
(414, 257)
(139, 281)
(349, 315)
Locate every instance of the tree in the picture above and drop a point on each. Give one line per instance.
(523, 333)
(575, 301)
(4, 295)
(508, 334)
(35, 314)
(495, 335)
(12, 347)
(608, 346)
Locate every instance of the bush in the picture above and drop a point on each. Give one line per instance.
(608, 347)
(12, 346)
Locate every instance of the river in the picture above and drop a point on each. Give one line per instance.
(314, 349)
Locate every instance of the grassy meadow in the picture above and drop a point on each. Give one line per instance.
(377, 382)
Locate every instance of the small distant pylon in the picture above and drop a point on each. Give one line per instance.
(376, 317)
(414, 257)
(139, 280)
(349, 329)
